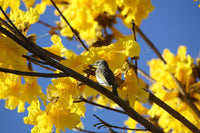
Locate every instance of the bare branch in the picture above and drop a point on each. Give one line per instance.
(45, 24)
(133, 29)
(38, 62)
(151, 45)
(103, 123)
(82, 99)
(34, 74)
(87, 131)
(72, 29)
(32, 59)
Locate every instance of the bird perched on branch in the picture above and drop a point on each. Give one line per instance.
(105, 76)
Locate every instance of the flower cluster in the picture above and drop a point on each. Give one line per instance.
(181, 66)
(90, 18)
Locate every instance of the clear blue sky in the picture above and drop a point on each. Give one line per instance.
(171, 24)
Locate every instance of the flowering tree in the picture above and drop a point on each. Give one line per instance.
(173, 96)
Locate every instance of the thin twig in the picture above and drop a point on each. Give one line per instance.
(45, 24)
(133, 29)
(135, 58)
(151, 45)
(38, 62)
(82, 99)
(103, 123)
(34, 74)
(87, 131)
(174, 113)
(45, 67)
(72, 29)
(32, 59)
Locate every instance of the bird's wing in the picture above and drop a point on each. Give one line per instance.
(110, 77)
(100, 75)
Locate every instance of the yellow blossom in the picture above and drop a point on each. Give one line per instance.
(137, 10)
(41, 7)
(20, 17)
(29, 3)
(132, 88)
(61, 116)
(57, 47)
(14, 60)
(63, 112)
(130, 123)
(181, 66)
(13, 4)
(38, 118)
(83, 14)
(32, 91)
(55, 114)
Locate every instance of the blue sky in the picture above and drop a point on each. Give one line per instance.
(171, 24)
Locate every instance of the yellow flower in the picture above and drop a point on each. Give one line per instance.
(57, 47)
(39, 118)
(61, 116)
(130, 123)
(132, 88)
(32, 91)
(56, 114)
(21, 17)
(137, 10)
(63, 112)
(80, 14)
(14, 60)
(29, 3)
(41, 7)
(141, 110)
(83, 15)
(13, 4)
(14, 91)
(106, 6)
(181, 66)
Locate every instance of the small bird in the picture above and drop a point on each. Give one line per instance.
(105, 76)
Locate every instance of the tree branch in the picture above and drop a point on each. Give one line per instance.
(103, 123)
(150, 44)
(34, 74)
(86, 131)
(72, 29)
(32, 59)
(82, 99)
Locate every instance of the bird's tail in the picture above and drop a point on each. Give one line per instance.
(114, 90)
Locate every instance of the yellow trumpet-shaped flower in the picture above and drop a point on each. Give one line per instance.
(181, 66)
